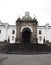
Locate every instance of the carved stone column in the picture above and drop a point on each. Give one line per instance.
(34, 33)
(18, 40)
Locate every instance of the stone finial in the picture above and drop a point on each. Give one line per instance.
(47, 24)
(18, 16)
(35, 16)
(27, 13)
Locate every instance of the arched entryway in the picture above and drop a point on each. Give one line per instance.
(26, 35)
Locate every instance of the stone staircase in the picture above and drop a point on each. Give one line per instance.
(25, 49)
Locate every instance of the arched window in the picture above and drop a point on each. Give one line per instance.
(0, 31)
(12, 37)
(40, 38)
(40, 31)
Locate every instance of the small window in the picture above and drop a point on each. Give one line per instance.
(0, 31)
(39, 31)
(13, 32)
(8, 38)
(12, 37)
(40, 38)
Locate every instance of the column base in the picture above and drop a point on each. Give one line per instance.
(17, 40)
(34, 41)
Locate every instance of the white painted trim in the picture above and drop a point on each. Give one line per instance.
(27, 27)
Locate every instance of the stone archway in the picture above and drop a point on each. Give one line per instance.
(26, 28)
(26, 35)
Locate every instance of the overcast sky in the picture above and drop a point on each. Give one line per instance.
(10, 10)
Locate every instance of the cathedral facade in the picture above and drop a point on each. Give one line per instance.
(26, 30)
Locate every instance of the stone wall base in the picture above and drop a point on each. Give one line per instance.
(2, 43)
(47, 43)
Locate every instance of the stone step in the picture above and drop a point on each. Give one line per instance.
(20, 48)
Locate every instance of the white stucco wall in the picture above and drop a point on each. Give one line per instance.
(10, 29)
(6, 31)
(43, 34)
(49, 34)
(3, 34)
